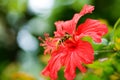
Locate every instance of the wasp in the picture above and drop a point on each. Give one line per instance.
(64, 38)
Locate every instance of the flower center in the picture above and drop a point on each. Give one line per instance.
(70, 44)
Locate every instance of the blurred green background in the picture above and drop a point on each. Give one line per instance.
(22, 21)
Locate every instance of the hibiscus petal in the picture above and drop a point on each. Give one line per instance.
(77, 53)
(85, 52)
(64, 27)
(92, 28)
(86, 9)
(53, 66)
(69, 67)
(70, 25)
(59, 29)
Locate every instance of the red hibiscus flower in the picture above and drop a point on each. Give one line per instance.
(67, 48)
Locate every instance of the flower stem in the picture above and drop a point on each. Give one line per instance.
(106, 51)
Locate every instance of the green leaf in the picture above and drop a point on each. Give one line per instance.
(91, 77)
(116, 35)
(100, 64)
(116, 62)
